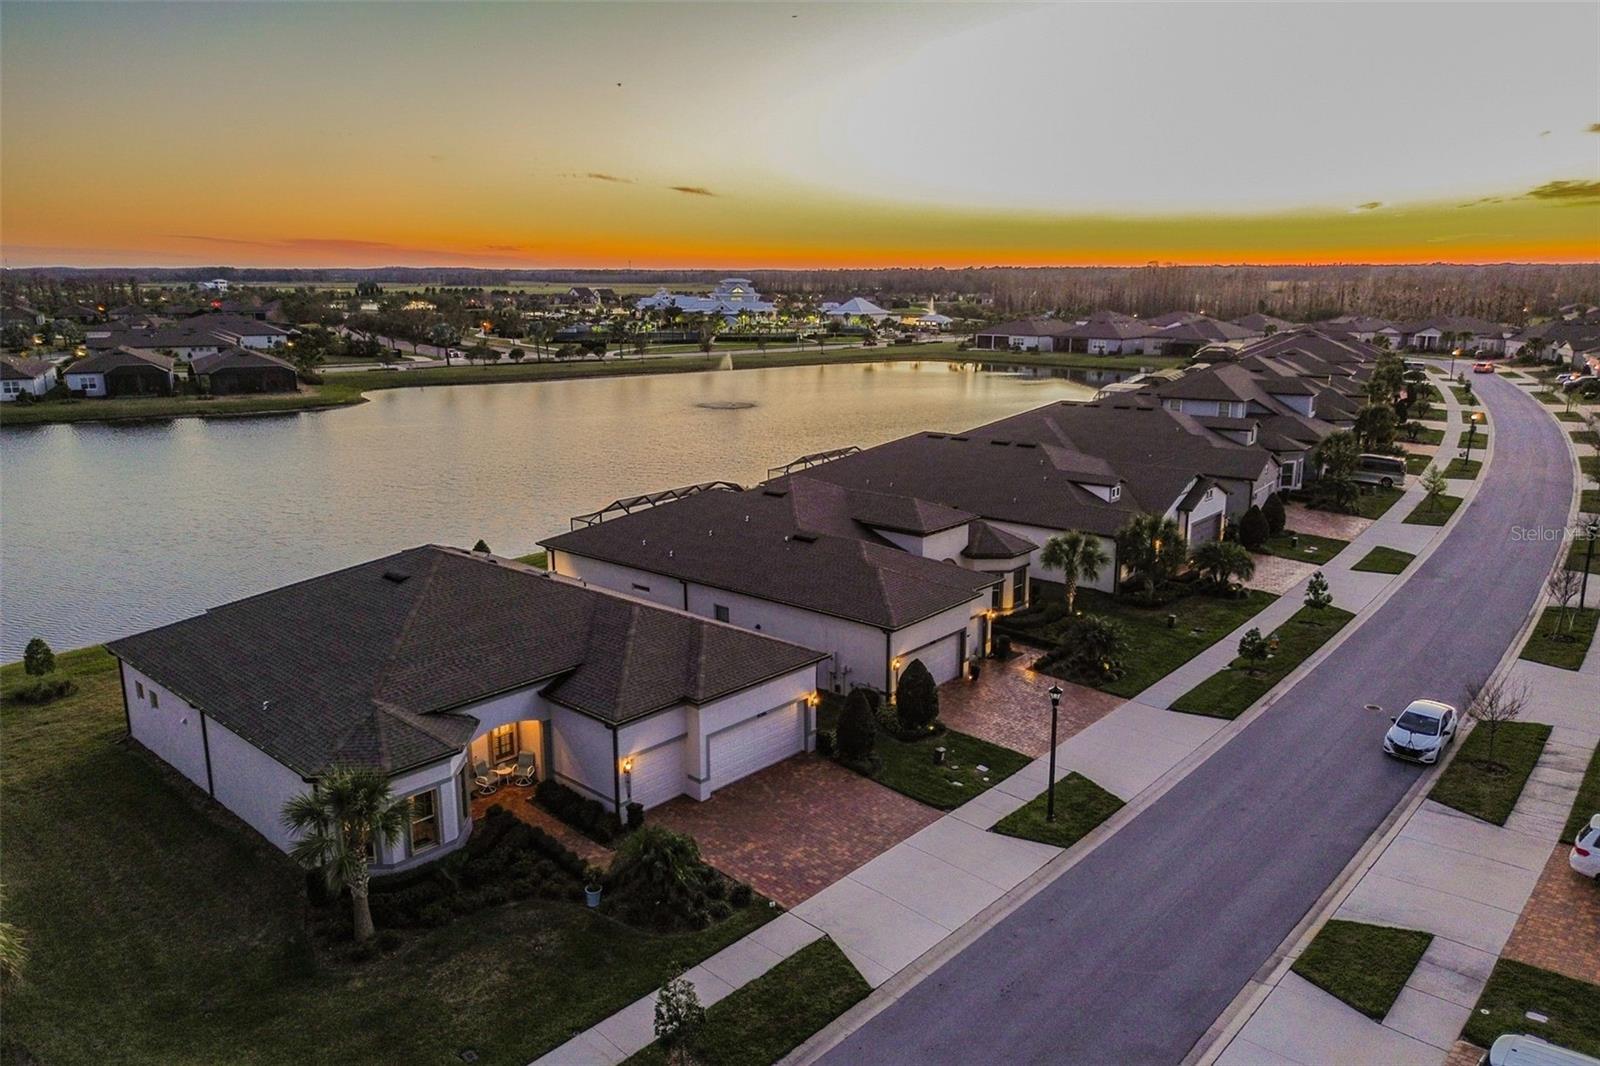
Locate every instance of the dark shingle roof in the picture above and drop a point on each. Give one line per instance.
(797, 540)
(238, 359)
(115, 359)
(404, 641)
(13, 368)
(1026, 327)
(985, 541)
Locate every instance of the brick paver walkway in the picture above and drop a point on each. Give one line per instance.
(1560, 926)
(519, 801)
(795, 828)
(1464, 1054)
(1278, 575)
(1008, 706)
(1303, 519)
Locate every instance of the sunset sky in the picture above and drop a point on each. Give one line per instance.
(778, 135)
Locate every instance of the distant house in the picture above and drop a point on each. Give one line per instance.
(1454, 331)
(731, 298)
(1110, 333)
(241, 370)
(1262, 325)
(122, 372)
(215, 285)
(34, 377)
(1023, 334)
(857, 307)
(591, 297)
(1185, 333)
(194, 337)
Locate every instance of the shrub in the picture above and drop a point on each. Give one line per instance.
(858, 728)
(1254, 529)
(44, 690)
(659, 881)
(37, 658)
(1317, 594)
(1273, 511)
(587, 816)
(740, 895)
(1253, 648)
(635, 815)
(1002, 647)
(826, 742)
(916, 698)
(1091, 650)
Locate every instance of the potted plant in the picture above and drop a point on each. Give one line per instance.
(591, 885)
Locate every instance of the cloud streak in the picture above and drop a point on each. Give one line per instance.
(1567, 191)
(692, 190)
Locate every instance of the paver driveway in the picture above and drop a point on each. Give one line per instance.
(1560, 926)
(795, 828)
(1008, 705)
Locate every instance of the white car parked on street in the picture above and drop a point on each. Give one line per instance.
(1585, 857)
(1421, 731)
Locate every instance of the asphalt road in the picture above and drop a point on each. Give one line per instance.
(1131, 955)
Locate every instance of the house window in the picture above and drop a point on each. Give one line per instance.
(995, 596)
(1116, 492)
(1286, 475)
(503, 743)
(138, 686)
(720, 611)
(424, 821)
(155, 700)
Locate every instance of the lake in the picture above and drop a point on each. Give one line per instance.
(111, 529)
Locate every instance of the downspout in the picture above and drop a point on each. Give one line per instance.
(205, 741)
(122, 677)
(616, 771)
(888, 663)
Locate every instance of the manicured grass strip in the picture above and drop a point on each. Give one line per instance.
(1464, 395)
(1589, 501)
(1584, 436)
(1310, 548)
(1515, 988)
(1473, 785)
(1081, 805)
(1154, 650)
(1383, 560)
(1377, 503)
(774, 1014)
(1553, 644)
(539, 559)
(1464, 469)
(1230, 692)
(1580, 553)
(1426, 435)
(1587, 802)
(1434, 512)
(1590, 465)
(1554, 399)
(1363, 965)
(190, 907)
(1416, 464)
(1569, 416)
(908, 767)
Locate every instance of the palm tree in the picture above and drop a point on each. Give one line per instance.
(348, 812)
(1221, 561)
(1153, 548)
(1078, 556)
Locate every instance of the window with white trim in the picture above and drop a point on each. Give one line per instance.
(424, 820)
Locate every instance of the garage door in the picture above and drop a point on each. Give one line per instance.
(942, 658)
(749, 746)
(1205, 529)
(657, 774)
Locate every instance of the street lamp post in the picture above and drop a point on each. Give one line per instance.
(1454, 353)
(1050, 796)
(1472, 432)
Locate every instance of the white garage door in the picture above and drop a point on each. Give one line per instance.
(657, 774)
(942, 658)
(750, 746)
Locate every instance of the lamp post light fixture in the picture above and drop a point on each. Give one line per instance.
(1055, 713)
(1472, 432)
(1455, 353)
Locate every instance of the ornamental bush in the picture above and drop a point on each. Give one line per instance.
(858, 728)
(37, 658)
(1275, 515)
(1254, 529)
(916, 698)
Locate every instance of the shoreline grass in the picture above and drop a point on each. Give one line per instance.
(1081, 806)
(1365, 966)
(1233, 690)
(1472, 786)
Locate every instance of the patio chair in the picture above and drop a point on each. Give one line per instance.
(484, 779)
(527, 770)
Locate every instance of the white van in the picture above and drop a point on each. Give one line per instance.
(1513, 1049)
(1386, 471)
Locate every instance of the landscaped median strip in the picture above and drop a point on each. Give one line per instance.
(1487, 775)
(1433, 511)
(1463, 469)
(1363, 965)
(1230, 692)
(1383, 560)
(1303, 547)
(1081, 805)
(763, 1021)
(1562, 637)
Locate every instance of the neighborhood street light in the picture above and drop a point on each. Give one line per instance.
(1050, 797)
(1472, 432)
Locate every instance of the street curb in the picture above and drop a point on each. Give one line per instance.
(1238, 1013)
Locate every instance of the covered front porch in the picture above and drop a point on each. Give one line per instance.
(517, 751)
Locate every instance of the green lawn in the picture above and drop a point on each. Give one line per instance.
(539, 559)
(1472, 785)
(1081, 805)
(1383, 560)
(1580, 553)
(1584, 436)
(1569, 416)
(908, 767)
(1464, 469)
(1366, 966)
(1425, 435)
(1433, 512)
(777, 1012)
(161, 930)
(1417, 464)
(1590, 465)
(1230, 692)
(1589, 501)
(1154, 649)
(1311, 548)
(1515, 988)
(1548, 644)
(1376, 503)
(1587, 802)
(1464, 395)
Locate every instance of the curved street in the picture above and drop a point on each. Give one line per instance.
(1133, 953)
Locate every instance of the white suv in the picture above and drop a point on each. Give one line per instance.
(1422, 731)
(1585, 857)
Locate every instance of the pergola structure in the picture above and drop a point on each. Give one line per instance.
(814, 459)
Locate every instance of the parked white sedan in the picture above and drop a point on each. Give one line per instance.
(1585, 857)
(1421, 731)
